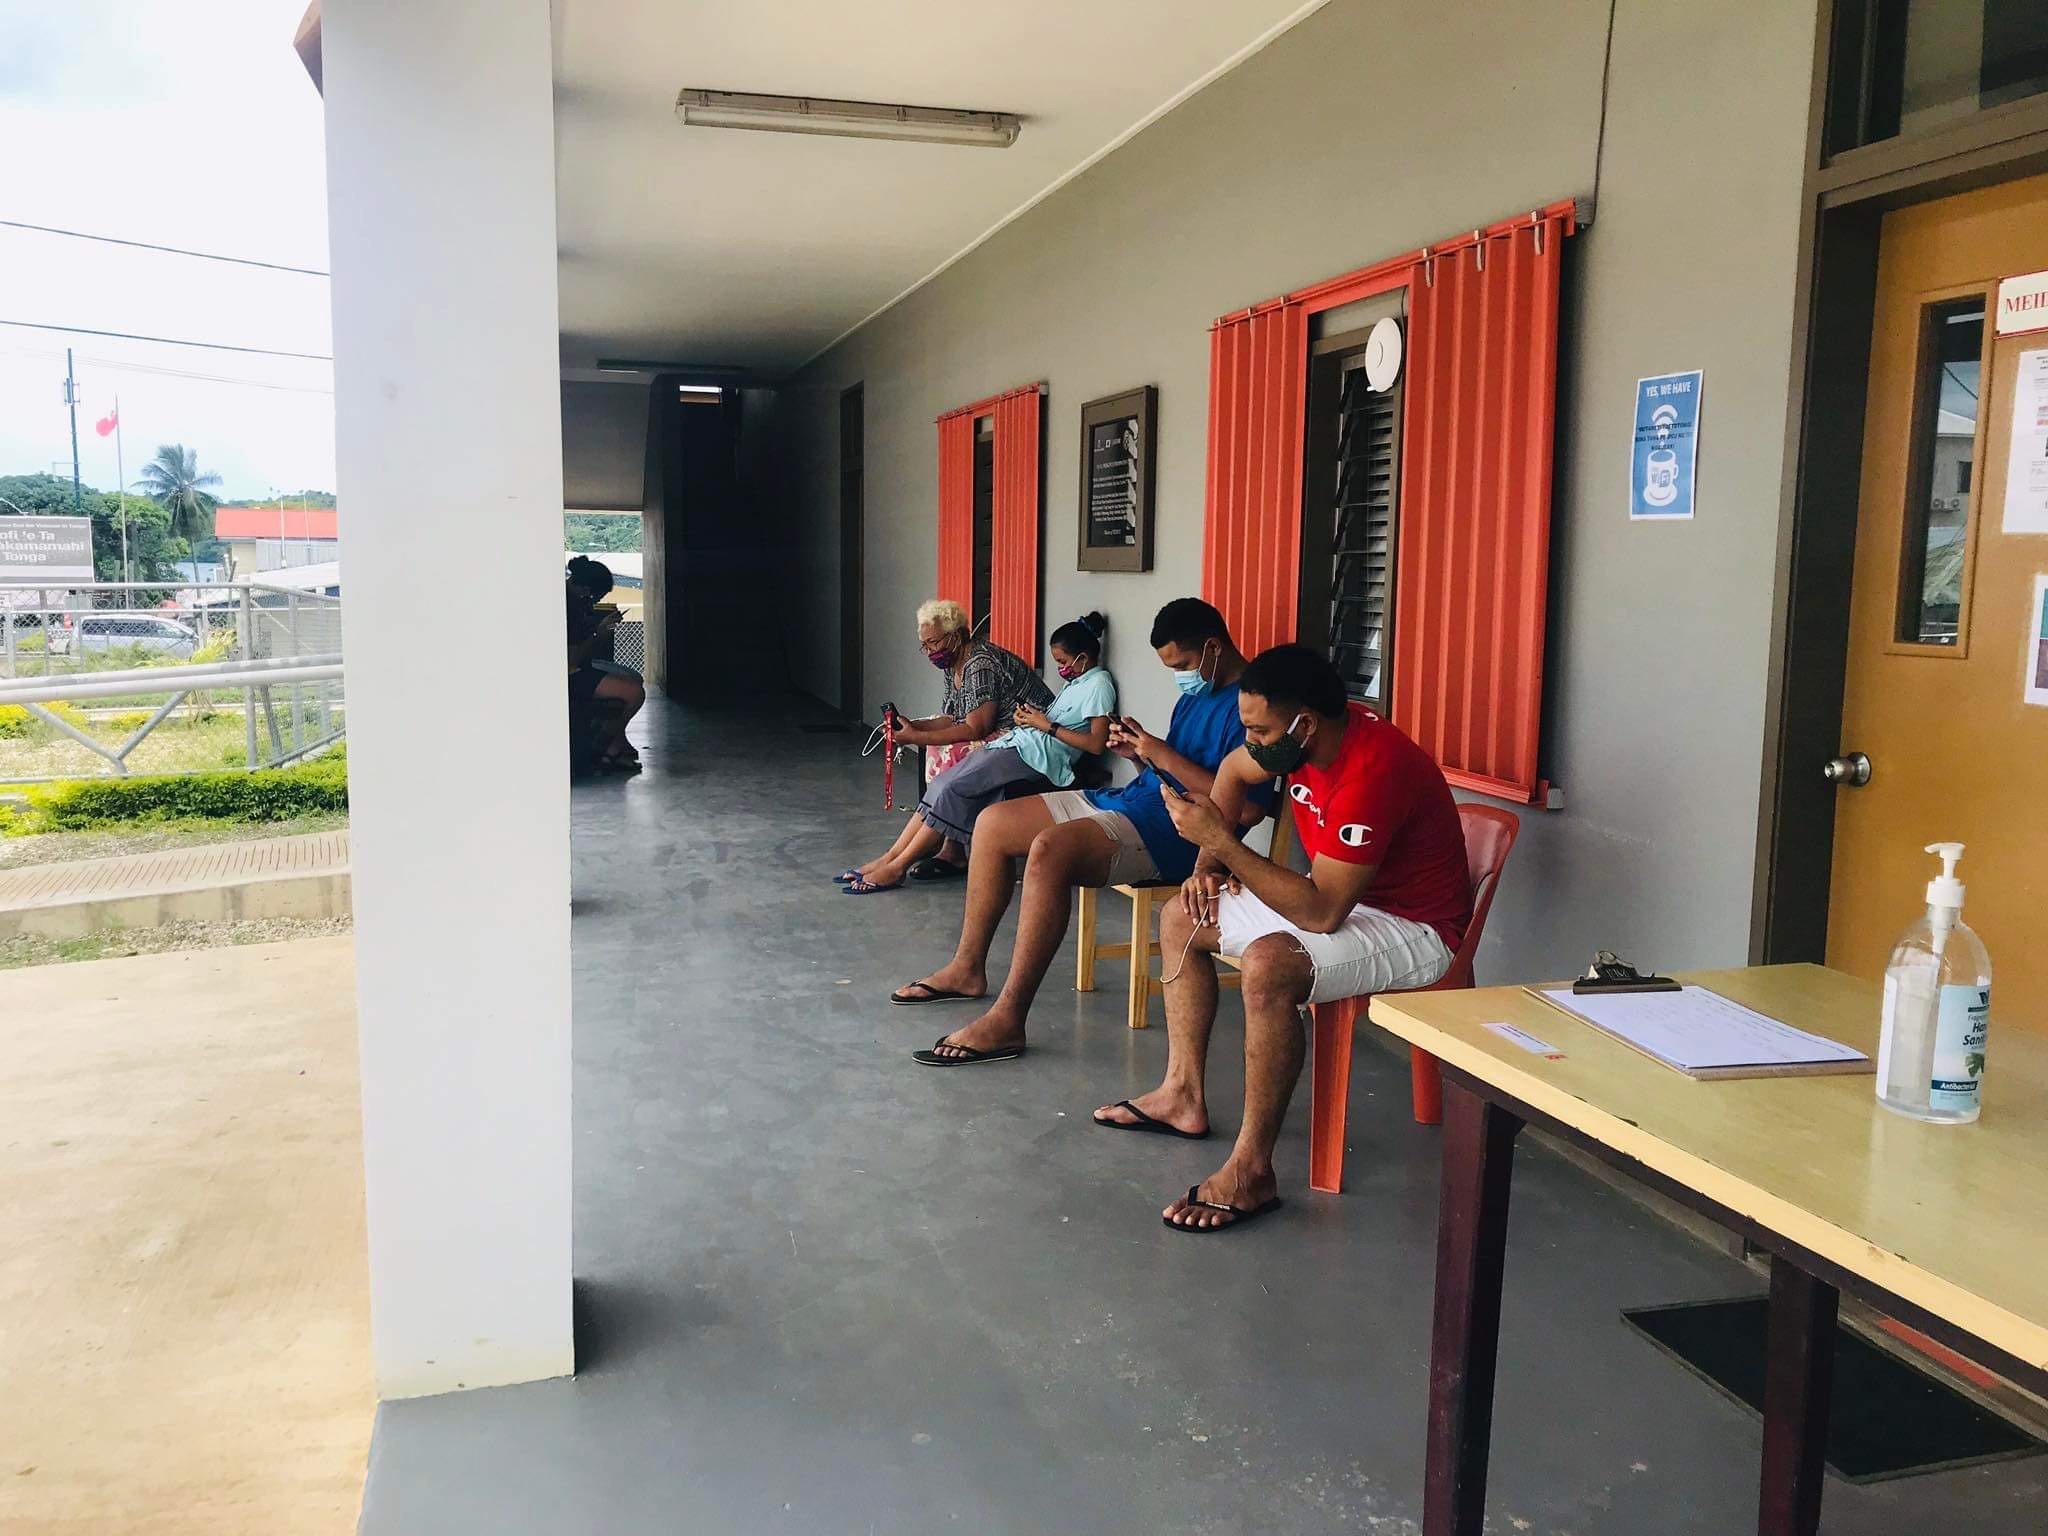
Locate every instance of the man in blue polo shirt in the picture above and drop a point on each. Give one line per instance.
(1094, 837)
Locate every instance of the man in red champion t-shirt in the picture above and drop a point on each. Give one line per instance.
(1384, 904)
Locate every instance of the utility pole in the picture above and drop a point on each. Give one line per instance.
(121, 490)
(71, 399)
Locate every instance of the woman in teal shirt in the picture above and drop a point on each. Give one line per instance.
(1037, 754)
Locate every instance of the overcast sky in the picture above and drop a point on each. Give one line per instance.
(183, 122)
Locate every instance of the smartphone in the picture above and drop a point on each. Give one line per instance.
(1166, 778)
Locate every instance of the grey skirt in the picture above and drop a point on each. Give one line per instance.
(971, 786)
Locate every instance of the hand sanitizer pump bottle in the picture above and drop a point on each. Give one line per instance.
(1937, 1007)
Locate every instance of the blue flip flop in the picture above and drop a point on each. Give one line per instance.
(858, 887)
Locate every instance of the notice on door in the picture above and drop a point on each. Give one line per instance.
(2035, 688)
(2026, 470)
(1664, 462)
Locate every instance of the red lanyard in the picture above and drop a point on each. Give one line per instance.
(889, 762)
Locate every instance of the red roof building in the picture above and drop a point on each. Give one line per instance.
(265, 522)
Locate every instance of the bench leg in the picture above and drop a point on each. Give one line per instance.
(1329, 1093)
(1798, 1377)
(1084, 961)
(1141, 960)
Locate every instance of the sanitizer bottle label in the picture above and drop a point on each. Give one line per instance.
(1959, 1033)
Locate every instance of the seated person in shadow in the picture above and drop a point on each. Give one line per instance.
(603, 696)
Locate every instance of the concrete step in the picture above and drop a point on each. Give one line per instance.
(300, 876)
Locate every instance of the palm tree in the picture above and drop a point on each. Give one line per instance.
(172, 480)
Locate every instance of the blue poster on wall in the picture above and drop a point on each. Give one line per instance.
(1664, 467)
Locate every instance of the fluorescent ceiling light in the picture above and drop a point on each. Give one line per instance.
(699, 389)
(643, 365)
(846, 119)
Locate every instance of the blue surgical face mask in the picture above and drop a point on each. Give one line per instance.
(1195, 683)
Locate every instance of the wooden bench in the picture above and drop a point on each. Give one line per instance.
(1146, 899)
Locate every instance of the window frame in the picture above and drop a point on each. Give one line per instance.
(1324, 406)
(1862, 54)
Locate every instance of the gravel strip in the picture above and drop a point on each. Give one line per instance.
(109, 943)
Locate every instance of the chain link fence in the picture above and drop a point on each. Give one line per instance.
(107, 636)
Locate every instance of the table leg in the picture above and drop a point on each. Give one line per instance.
(1471, 1250)
(1798, 1375)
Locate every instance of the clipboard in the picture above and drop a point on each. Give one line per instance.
(1706, 1036)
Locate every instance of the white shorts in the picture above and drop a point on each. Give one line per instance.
(1373, 951)
(1130, 862)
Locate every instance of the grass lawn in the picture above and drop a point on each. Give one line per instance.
(181, 744)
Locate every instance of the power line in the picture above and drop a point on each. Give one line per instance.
(174, 250)
(118, 365)
(169, 341)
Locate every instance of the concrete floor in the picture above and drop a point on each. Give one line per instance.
(184, 1303)
(826, 1290)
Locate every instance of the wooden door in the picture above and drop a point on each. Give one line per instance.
(1942, 638)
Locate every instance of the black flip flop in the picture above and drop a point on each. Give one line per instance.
(932, 994)
(867, 888)
(937, 869)
(971, 1058)
(1239, 1215)
(1146, 1123)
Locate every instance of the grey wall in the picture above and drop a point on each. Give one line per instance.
(1374, 127)
(604, 446)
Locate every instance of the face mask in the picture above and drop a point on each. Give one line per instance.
(1070, 671)
(1194, 684)
(1282, 756)
(943, 658)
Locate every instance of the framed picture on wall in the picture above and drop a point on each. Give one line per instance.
(1118, 446)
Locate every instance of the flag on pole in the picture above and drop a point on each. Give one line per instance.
(106, 424)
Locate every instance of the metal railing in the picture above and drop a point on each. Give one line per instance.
(106, 679)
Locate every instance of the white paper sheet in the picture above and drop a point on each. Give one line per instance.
(1696, 1030)
(2026, 470)
(1526, 1041)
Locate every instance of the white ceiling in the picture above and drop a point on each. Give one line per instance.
(760, 249)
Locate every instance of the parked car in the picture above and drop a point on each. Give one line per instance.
(110, 631)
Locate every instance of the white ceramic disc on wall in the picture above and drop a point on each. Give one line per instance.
(1383, 355)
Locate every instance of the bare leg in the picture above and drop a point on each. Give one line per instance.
(626, 696)
(1181, 1099)
(918, 840)
(1062, 857)
(1277, 980)
(1002, 833)
(915, 840)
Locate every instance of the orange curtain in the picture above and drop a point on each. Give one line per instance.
(1472, 572)
(956, 510)
(1014, 553)
(1251, 547)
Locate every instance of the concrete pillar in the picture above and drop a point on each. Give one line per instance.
(440, 167)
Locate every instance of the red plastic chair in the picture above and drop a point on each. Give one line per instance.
(1490, 834)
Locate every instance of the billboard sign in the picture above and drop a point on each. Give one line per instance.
(56, 551)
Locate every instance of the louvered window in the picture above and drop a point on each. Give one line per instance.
(1352, 510)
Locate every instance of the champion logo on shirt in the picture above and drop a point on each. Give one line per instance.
(1354, 834)
(1301, 796)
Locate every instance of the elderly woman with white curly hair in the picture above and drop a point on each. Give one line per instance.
(991, 690)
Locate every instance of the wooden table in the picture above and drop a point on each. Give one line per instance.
(1944, 1228)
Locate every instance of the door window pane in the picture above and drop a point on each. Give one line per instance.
(1939, 473)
